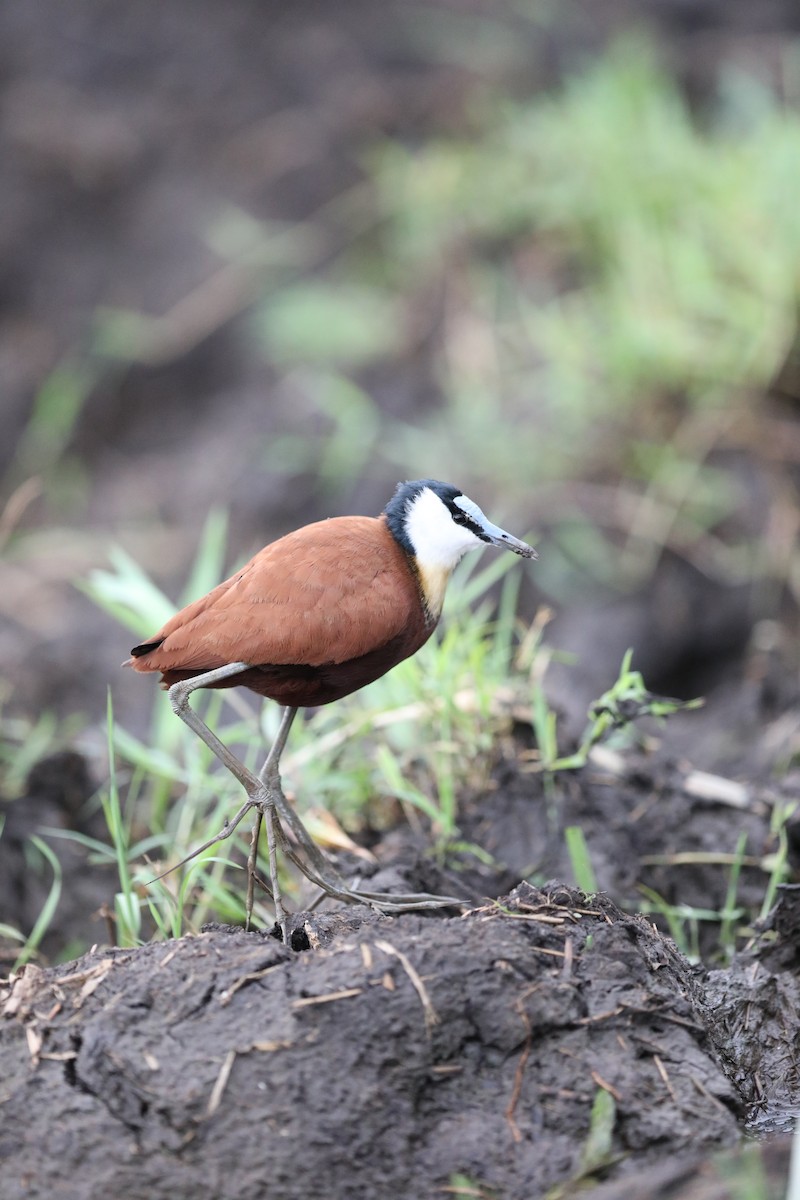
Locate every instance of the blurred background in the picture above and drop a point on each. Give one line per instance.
(267, 259)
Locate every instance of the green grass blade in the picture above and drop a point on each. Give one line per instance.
(580, 859)
(42, 923)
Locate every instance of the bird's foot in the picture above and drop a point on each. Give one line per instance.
(319, 870)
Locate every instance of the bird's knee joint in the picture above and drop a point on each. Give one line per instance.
(179, 695)
(263, 796)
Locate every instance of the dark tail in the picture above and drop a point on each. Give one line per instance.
(145, 648)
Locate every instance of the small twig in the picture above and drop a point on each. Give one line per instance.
(704, 786)
(518, 1075)
(35, 1042)
(218, 1089)
(607, 1087)
(691, 858)
(703, 1090)
(77, 977)
(662, 1070)
(271, 1047)
(569, 958)
(227, 995)
(168, 957)
(662, 1015)
(603, 1016)
(532, 916)
(611, 762)
(344, 994)
(459, 1190)
(90, 980)
(431, 1015)
(464, 1190)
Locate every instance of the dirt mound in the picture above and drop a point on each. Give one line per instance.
(399, 1057)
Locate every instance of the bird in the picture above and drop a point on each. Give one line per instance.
(311, 618)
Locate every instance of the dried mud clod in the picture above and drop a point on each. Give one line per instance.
(754, 1019)
(402, 1053)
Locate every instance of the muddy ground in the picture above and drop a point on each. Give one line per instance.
(553, 1044)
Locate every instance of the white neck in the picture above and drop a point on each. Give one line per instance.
(438, 544)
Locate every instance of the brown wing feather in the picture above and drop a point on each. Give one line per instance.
(327, 593)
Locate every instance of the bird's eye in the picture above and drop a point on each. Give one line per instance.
(460, 518)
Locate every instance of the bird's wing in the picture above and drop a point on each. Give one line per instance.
(327, 593)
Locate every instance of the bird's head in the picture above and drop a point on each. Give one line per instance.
(437, 524)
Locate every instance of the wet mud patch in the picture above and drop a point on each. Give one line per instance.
(754, 1009)
(398, 1056)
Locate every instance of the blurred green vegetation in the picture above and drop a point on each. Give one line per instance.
(602, 285)
(591, 289)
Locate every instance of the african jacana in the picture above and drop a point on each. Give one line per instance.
(312, 617)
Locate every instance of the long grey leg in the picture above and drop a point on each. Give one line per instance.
(258, 796)
(320, 871)
(179, 695)
(252, 857)
(269, 774)
(265, 794)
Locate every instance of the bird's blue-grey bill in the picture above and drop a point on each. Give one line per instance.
(499, 537)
